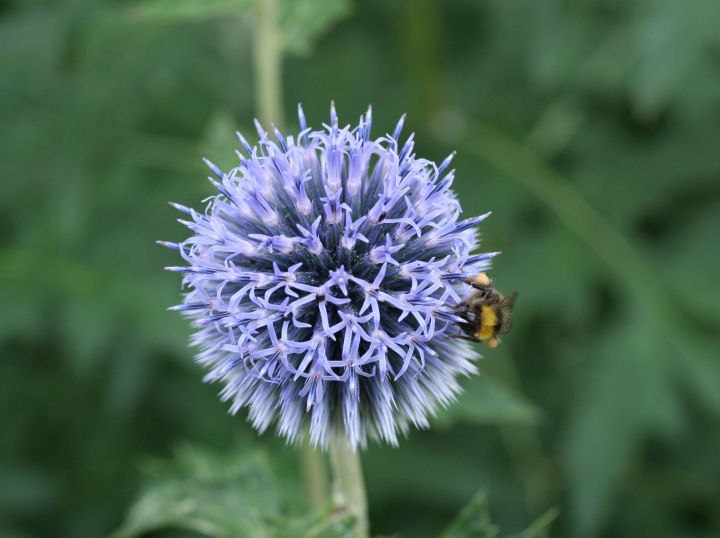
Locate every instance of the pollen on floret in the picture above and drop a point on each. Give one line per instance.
(481, 279)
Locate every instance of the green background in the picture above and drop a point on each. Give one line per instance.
(591, 129)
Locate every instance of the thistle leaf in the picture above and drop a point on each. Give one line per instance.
(473, 521)
(222, 496)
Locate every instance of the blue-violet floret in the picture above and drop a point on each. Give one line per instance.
(322, 281)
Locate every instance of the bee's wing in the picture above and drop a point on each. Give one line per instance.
(509, 301)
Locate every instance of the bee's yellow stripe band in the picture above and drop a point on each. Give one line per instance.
(487, 323)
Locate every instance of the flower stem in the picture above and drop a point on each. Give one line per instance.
(348, 483)
(268, 51)
(314, 471)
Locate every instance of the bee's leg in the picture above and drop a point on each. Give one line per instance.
(475, 285)
(465, 337)
(460, 306)
(480, 282)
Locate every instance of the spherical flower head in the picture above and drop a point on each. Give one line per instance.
(323, 280)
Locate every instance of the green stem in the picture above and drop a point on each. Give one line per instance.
(348, 483)
(268, 64)
(314, 471)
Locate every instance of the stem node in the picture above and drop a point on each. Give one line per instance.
(348, 483)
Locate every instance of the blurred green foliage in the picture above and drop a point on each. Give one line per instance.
(591, 130)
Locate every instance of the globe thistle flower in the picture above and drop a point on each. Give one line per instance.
(322, 280)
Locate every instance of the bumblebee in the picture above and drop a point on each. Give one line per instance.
(486, 312)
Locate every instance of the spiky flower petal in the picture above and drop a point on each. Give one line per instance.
(322, 280)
